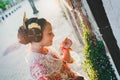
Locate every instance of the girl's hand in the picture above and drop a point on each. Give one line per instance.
(65, 47)
(66, 43)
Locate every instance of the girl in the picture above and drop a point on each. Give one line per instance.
(45, 64)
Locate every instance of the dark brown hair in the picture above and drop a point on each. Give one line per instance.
(26, 35)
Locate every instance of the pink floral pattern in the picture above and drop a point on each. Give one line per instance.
(48, 67)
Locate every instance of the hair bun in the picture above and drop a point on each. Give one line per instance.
(23, 36)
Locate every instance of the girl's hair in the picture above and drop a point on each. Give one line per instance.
(32, 30)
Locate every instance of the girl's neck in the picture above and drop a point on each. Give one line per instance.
(39, 49)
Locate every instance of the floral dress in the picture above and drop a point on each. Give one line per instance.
(48, 67)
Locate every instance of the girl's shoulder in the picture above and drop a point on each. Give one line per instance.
(33, 56)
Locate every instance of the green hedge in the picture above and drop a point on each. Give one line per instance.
(97, 64)
(5, 4)
(2, 5)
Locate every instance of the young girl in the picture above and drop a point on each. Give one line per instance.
(45, 64)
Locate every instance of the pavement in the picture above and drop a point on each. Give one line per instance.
(12, 54)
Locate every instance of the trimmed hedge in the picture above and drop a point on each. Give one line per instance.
(97, 64)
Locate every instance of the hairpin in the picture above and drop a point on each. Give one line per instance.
(24, 20)
(34, 25)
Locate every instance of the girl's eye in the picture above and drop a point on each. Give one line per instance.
(50, 33)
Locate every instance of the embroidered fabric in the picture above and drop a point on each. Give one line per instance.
(42, 66)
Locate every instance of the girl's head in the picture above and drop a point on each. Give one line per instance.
(36, 30)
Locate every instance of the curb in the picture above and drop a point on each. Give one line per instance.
(7, 13)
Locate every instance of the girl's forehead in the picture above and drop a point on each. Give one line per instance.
(48, 23)
(48, 26)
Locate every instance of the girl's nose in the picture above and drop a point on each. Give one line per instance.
(53, 34)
